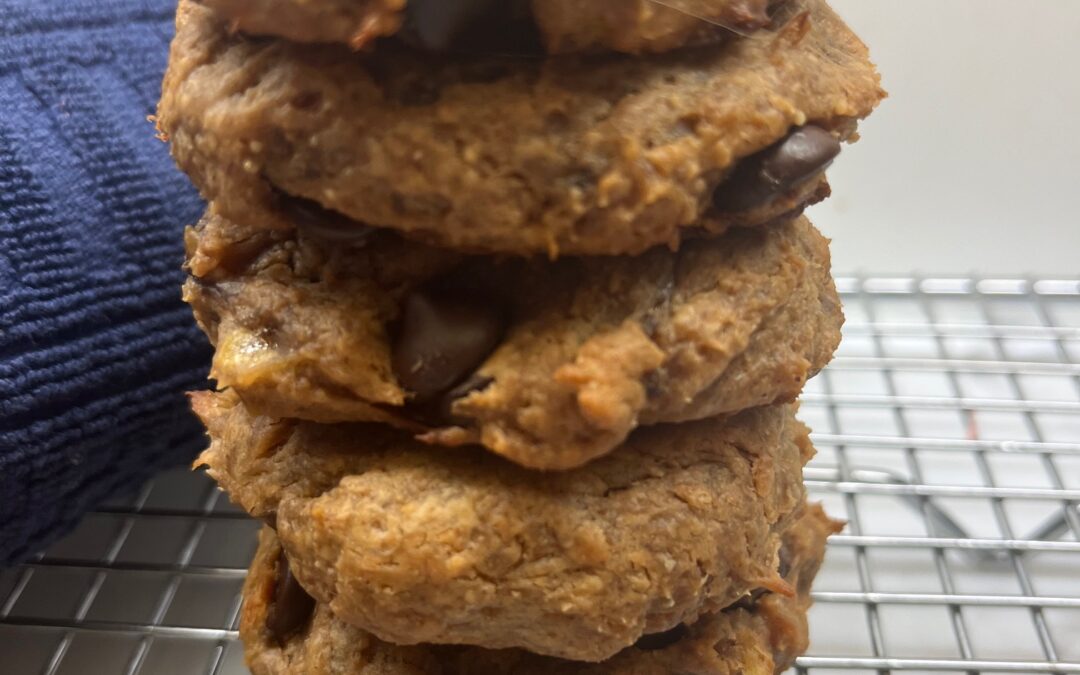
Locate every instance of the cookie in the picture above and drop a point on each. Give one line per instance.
(501, 26)
(573, 155)
(418, 544)
(549, 364)
(286, 632)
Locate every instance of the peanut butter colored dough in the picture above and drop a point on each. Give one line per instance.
(759, 637)
(572, 155)
(427, 545)
(593, 348)
(633, 26)
(355, 22)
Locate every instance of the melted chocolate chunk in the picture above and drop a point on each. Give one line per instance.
(438, 24)
(312, 218)
(762, 177)
(473, 26)
(292, 606)
(443, 337)
(662, 640)
(446, 403)
(439, 411)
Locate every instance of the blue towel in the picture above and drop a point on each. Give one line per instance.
(96, 348)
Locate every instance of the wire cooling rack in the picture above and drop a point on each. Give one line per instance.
(949, 437)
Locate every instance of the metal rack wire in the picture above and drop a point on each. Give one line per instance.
(948, 431)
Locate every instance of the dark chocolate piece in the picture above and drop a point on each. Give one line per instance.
(444, 337)
(762, 177)
(472, 26)
(446, 403)
(438, 25)
(312, 218)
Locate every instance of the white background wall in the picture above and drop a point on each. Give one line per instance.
(973, 163)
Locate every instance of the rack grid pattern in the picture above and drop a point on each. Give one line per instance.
(948, 431)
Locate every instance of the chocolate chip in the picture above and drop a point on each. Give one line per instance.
(805, 153)
(439, 411)
(438, 24)
(312, 218)
(472, 26)
(292, 606)
(758, 179)
(473, 384)
(443, 337)
(662, 640)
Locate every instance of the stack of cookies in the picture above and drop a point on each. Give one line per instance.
(511, 301)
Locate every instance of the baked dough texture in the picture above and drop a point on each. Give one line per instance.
(592, 348)
(761, 636)
(559, 156)
(428, 545)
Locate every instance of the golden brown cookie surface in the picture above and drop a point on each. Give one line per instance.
(548, 364)
(418, 544)
(759, 637)
(559, 156)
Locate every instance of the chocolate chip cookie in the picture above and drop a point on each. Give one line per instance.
(549, 364)
(418, 544)
(502, 26)
(605, 154)
(286, 632)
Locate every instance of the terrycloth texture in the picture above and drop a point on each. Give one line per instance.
(96, 349)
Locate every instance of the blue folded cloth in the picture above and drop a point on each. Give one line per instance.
(96, 348)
